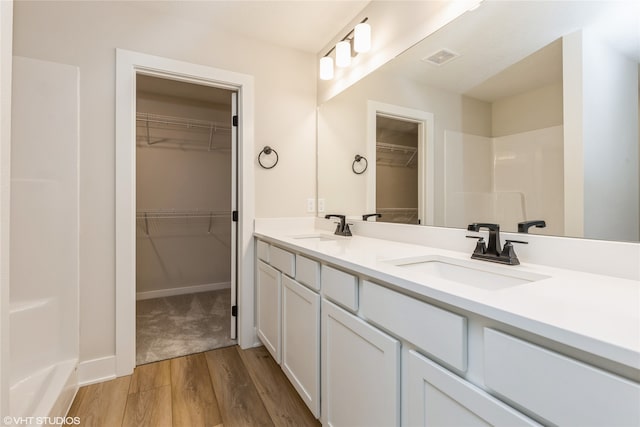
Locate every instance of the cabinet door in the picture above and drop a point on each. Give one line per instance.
(436, 397)
(360, 372)
(301, 341)
(268, 292)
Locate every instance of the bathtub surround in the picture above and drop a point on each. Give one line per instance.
(179, 325)
(44, 238)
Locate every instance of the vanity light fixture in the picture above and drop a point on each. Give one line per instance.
(362, 37)
(356, 41)
(326, 68)
(343, 53)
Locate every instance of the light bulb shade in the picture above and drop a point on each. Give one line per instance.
(343, 54)
(326, 68)
(362, 38)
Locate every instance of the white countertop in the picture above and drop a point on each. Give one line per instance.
(594, 313)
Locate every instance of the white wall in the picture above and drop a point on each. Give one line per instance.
(601, 140)
(536, 109)
(610, 142)
(86, 34)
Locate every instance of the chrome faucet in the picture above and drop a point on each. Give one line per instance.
(493, 252)
(343, 228)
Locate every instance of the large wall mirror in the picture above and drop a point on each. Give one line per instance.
(516, 111)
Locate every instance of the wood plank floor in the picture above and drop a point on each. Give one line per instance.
(225, 387)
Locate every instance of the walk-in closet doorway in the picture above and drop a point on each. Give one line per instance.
(129, 65)
(186, 166)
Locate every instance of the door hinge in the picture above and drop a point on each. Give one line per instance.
(234, 311)
(234, 216)
(235, 120)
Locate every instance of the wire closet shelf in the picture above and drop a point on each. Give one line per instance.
(396, 155)
(399, 215)
(179, 222)
(178, 132)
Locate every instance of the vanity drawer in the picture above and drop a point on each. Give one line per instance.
(438, 332)
(282, 260)
(559, 389)
(340, 287)
(262, 250)
(308, 272)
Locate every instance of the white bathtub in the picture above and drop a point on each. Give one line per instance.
(43, 379)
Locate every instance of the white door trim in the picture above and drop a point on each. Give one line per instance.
(128, 64)
(426, 164)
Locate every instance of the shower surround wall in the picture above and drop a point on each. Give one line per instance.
(191, 250)
(521, 164)
(43, 299)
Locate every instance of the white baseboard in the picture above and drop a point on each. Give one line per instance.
(183, 290)
(96, 370)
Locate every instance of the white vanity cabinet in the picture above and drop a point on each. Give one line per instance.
(301, 341)
(436, 397)
(360, 372)
(288, 317)
(268, 308)
(362, 351)
(557, 388)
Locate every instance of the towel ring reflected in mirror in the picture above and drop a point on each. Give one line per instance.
(357, 160)
(267, 151)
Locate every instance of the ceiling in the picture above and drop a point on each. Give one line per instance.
(306, 25)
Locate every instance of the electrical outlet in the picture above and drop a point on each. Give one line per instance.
(320, 205)
(311, 205)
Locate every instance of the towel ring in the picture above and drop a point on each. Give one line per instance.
(357, 160)
(267, 151)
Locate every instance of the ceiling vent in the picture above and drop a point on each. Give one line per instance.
(440, 57)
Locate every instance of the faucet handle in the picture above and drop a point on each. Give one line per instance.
(481, 247)
(347, 230)
(509, 253)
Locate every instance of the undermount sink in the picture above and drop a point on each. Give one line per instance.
(490, 277)
(315, 237)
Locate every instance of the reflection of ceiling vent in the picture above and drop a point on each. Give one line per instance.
(440, 57)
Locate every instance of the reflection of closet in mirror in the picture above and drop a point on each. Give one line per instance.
(396, 170)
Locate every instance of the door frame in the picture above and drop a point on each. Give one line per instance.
(128, 65)
(426, 155)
